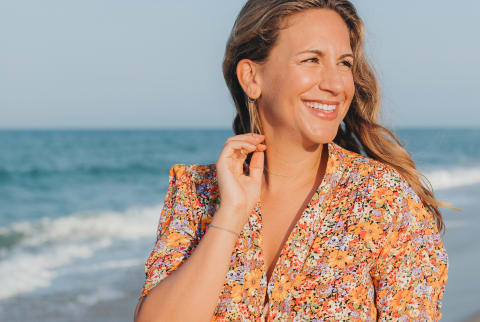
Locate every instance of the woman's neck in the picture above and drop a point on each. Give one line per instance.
(290, 166)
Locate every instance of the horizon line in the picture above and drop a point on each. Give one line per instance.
(183, 128)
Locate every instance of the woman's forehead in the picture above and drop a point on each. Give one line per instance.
(314, 27)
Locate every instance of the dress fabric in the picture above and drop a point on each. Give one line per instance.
(364, 249)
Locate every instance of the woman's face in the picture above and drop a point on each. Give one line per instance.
(309, 67)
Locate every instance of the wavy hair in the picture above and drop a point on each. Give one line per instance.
(253, 36)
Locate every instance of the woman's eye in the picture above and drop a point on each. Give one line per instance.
(347, 63)
(313, 59)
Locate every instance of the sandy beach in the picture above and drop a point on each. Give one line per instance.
(475, 318)
(66, 306)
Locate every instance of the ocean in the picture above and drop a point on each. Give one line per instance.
(79, 211)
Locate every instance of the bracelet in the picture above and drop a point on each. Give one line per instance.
(230, 231)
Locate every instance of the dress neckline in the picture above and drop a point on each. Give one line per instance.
(329, 171)
(313, 192)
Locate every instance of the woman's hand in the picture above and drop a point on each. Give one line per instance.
(239, 192)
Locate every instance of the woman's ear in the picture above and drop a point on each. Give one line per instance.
(248, 74)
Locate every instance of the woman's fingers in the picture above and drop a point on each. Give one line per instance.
(238, 150)
(247, 139)
(234, 186)
(254, 139)
(256, 165)
(237, 147)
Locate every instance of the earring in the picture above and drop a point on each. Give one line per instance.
(251, 100)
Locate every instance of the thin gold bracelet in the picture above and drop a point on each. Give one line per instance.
(230, 231)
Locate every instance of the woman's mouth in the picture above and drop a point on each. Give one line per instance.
(323, 111)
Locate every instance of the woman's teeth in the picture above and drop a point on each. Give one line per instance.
(323, 107)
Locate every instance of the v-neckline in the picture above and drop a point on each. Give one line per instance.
(293, 231)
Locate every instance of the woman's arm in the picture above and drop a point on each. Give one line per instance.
(411, 270)
(191, 292)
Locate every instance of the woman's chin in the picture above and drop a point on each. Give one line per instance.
(316, 139)
(321, 135)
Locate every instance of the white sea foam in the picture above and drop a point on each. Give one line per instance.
(456, 223)
(132, 224)
(50, 244)
(24, 272)
(454, 177)
(100, 294)
(108, 265)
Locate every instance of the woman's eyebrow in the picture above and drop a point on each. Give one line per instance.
(321, 53)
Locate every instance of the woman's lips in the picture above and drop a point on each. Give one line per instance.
(324, 115)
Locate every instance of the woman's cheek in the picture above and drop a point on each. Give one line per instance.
(305, 80)
(350, 85)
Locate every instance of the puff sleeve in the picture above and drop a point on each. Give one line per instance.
(411, 270)
(176, 229)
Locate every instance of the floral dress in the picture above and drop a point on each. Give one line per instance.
(364, 249)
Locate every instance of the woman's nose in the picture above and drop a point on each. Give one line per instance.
(331, 79)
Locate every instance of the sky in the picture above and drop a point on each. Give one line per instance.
(157, 64)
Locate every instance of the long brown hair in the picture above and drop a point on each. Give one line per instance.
(254, 34)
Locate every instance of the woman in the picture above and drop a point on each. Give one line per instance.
(301, 226)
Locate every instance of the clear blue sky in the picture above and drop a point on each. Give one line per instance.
(155, 64)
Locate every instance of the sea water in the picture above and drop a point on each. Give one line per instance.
(79, 211)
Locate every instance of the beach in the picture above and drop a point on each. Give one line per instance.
(79, 212)
(112, 305)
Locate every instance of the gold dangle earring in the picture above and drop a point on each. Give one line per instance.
(254, 117)
(256, 127)
(253, 124)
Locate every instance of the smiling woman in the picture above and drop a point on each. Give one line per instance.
(308, 75)
(302, 226)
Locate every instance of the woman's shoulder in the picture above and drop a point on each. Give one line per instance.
(194, 173)
(200, 180)
(203, 189)
(385, 194)
(371, 172)
(379, 185)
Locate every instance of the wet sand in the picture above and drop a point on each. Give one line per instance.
(65, 306)
(475, 318)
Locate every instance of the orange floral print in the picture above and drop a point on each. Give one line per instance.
(364, 249)
(252, 281)
(175, 239)
(340, 258)
(299, 281)
(282, 289)
(237, 291)
(368, 231)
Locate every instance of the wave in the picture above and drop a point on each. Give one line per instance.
(35, 259)
(457, 223)
(100, 294)
(440, 178)
(35, 172)
(453, 177)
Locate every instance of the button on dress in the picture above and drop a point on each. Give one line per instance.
(365, 248)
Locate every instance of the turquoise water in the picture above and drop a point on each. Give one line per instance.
(74, 204)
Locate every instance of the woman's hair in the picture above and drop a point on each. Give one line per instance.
(253, 36)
